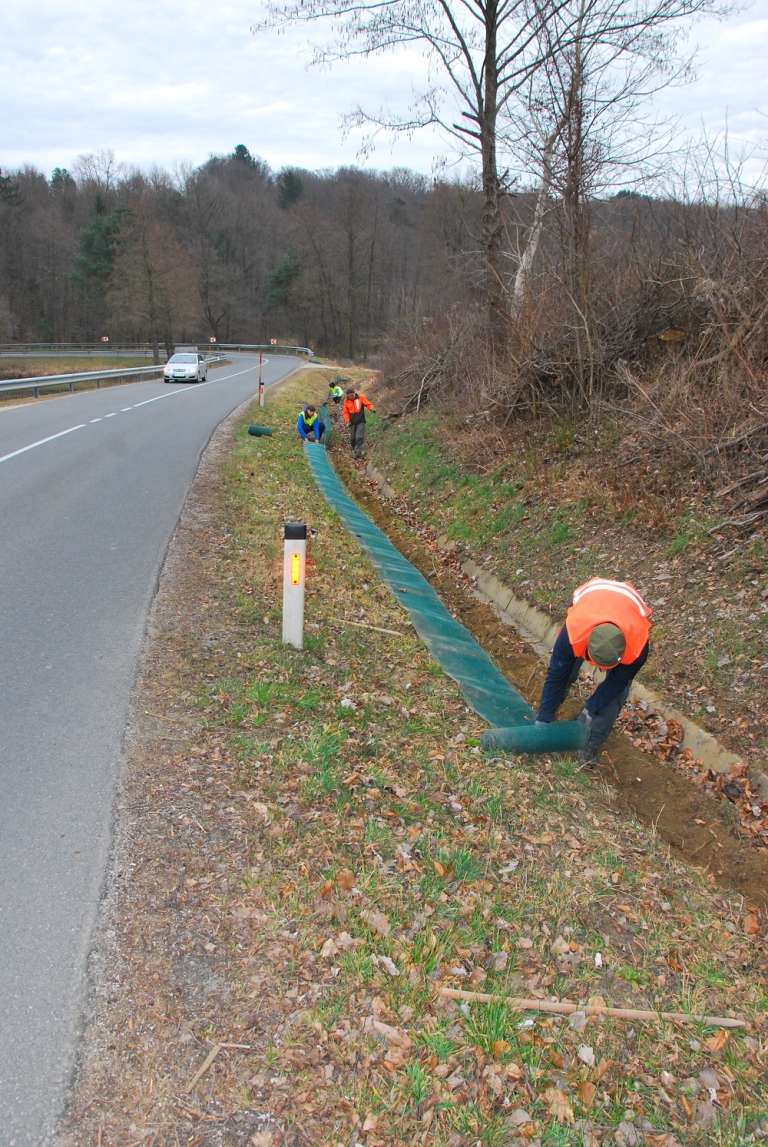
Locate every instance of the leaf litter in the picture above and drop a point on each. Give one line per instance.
(295, 880)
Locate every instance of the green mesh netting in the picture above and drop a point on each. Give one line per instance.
(484, 687)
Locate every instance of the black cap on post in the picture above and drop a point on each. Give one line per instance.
(295, 531)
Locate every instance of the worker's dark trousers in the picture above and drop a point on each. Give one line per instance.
(357, 438)
(602, 722)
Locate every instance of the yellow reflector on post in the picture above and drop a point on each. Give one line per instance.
(295, 569)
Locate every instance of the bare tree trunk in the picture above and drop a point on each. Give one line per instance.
(369, 284)
(351, 308)
(525, 266)
(577, 224)
(492, 226)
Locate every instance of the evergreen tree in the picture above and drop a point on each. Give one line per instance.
(93, 265)
(9, 191)
(282, 279)
(61, 180)
(290, 188)
(243, 155)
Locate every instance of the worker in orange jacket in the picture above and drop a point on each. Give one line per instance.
(608, 625)
(353, 412)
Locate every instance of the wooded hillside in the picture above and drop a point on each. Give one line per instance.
(668, 323)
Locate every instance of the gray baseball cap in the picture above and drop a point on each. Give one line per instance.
(606, 645)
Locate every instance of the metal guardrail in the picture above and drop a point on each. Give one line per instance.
(273, 348)
(11, 349)
(70, 381)
(143, 348)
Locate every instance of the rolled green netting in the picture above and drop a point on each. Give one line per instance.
(559, 737)
(484, 687)
(260, 431)
(325, 417)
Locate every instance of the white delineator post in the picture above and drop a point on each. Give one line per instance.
(261, 380)
(294, 569)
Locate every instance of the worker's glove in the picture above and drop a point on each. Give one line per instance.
(585, 717)
(540, 723)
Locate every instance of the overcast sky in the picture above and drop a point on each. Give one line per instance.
(169, 81)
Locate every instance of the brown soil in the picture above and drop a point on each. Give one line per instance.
(701, 828)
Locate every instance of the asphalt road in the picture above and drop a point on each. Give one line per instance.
(91, 488)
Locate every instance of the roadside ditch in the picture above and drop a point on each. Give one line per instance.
(701, 828)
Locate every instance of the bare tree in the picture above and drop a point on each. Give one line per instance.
(484, 52)
(151, 292)
(580, 124)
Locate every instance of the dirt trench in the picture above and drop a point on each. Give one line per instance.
(698, 827)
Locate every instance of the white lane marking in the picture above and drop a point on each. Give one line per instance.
(112, 415)
(42, 442)
(125, 409)
(92, 420)
(193, 386)
(158, 397)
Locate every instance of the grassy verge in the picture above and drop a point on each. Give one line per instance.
(328, 848)
(31, 366)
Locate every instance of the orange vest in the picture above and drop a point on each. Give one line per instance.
(353, 407)
(601, 600)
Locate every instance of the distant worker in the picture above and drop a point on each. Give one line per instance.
(309, 425)
(353, 413)
(335, 392)
(607, 625)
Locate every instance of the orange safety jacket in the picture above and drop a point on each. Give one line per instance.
(355, 406)
(601, 600)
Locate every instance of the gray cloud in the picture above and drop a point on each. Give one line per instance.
(176, 80)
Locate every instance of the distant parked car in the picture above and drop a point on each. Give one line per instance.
(185, 367)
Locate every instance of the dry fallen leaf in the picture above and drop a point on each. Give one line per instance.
(387, 964)
(559, 1105)
(751, 924)
(263, 1139)
(345, 880)
(376, 921)
(385, 1032)
(717, 1041)
(587, 1092)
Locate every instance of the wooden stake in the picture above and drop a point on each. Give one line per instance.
(558, 1007)
(364, 625)
(204, 1067)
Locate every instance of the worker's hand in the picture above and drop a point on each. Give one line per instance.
(585, 717)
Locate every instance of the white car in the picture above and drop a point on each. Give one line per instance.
(186, 367)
